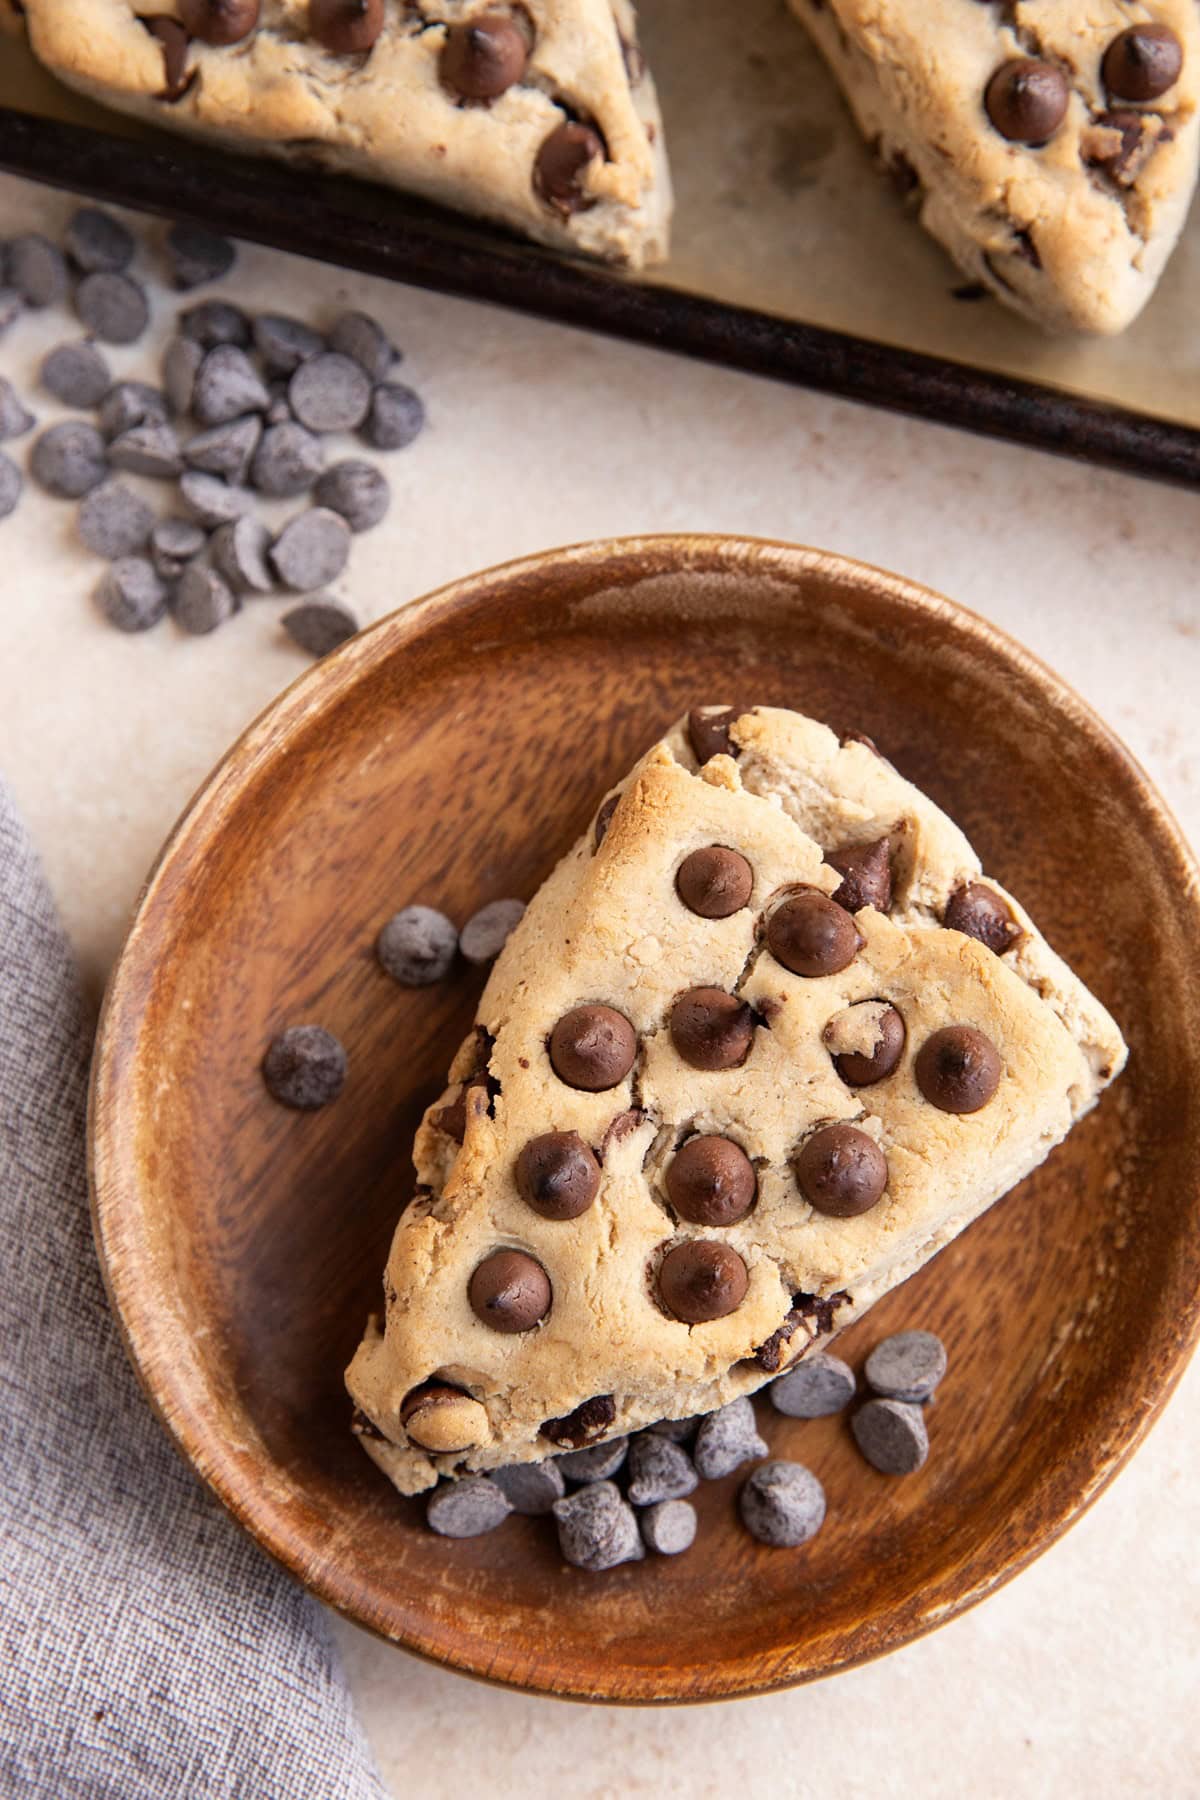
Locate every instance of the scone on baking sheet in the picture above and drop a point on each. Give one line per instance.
(762, 1044)
(539, 115)
(1051, 148)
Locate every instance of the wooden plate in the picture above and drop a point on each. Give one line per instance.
(449, 755)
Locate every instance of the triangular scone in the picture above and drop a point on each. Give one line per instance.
(541, 115)
(603, 1295)
(1071, 216)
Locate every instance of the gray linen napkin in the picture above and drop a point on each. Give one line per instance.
(147, 1647)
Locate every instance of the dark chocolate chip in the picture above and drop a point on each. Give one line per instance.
(330, 392)
(397, 416)
(863, 1068)
(658, 1470)
(958, 1069)
(866, 871)
(1026, 100)
(604, 819)
(114, 521)
(906, 1366)
(466, 1508)
(980, 913)
(891, 1435)
(113, 307)
(69, 460)
(201, 601)
(320, 626)
(597, 1529)
(311, 550)
(510, 1291)
(531, 1488)
(76, 374)
(363, 339)
(726, 1439)
(711, 1181)
(15, 417)
(1143, 62)
(180, 366)
(714, 882)
(595, 1464)
(97, 241)
(131, 595)
(177, 77)
(562, 164)
(817, 1387)
(197, 255)
(711, 1029)
(702, 1279)
(841, 1171)
(151, 449)
(812, 935)
(429, 1393)
(345, 27)
(37, 269)
(131, 403)
(225, 449)
(284, 343)
(593, 1048)
(287, 461)
(483, 57)
(416, 947)
(708, 731)
(487, 931)
(211, 323)
(590, 1420)
(227, 386)
(357, 490)
(669, 1527)
(219, 21)
(782, 1504)
(305, 1067)
(1122, 141)
(557, 1175)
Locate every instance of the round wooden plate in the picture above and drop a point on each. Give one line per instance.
(450, 755)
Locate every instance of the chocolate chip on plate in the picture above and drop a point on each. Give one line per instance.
(1142, 63)
(812, 935)
(557, 1175)
(658, 1470)
(397, 416)
(714, 882)
(711, 1181)
(510, 1291)
(979, 912)
(76, 374)
(197, 255)
(15, 417)
(227, 385)
(345, 27)
(891, 1435)
(841, 1171)
(483, 57)
(467, 1508)
(151, 449)
(708, 731)
(958, 1069)
(239, 553)
(131, 403)
(678, 1430)
(211, 323)
(287, 461)
(37, 270)
(866, 871)
(311, 550)
(906, 1366)
(711, 1029)
(816, 1387)
(320, 626)
(363, 339)
(357, 490)
(69, 460)
(702, 1279)
(866, 1041)
(131, 595)
(177, 77)
(782, 1504)
(417, 945)
(225, 450)
(200, 600)
(113, 307)
(531, 1488)
(597, 1529)
(486, 932)
(597, 1463)
(726, 1439)
(330, 392)
(592, 1048)
(219, 21)
(1026, 100)
(561, 166)
(173, 544)
(284, 343)
(10, 485)
(669, 1528)
(114, 521)
(305, 1067)
(97, 243)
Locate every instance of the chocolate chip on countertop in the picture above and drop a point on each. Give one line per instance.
(197, 255)
(305, 1067)
(211, 323)
(239, 553)
(363, 339)
(11, 485)
(180, 366)
(151, 450)
(958, 1069)
(510, 1291)
(708, 731)
(69, 460)
(906, 1366)
(467, 1508)
(866, 871)
(841, 1171)
(357, 490)
(604, 820)
(669, 1528)
(486, 932)
(816, 1387)
(177, 77)
(592, 1048)
(15, 417)
(483, 57)
(711, 1029)
(711, 1181)
(702, 1279)
(1142, 63)
(714, 882)
(200, 600)
(219, 21)
(113, 307)
(1026, 100)
(561, 166)
(345, 27)
(658, 1470)
(130, 595)
(812, 935)
(891, 1435)
(979, 912)
(227, 385)
(37, 270)
(557, 1175)
(114, 521)
(531, 1488)
(311, 550)
(877, 1033)
(287, 461)
(782, 1504)
(597, 1529)
(320, 626)
(97, 243)
(131, 403)
(597, 1463)
(587, 1422)
(330, 392)
(726, 1439)
(397, 416)
(76, 374)
(416, 947)
(225, 450)
(173, 544)
(284, 343)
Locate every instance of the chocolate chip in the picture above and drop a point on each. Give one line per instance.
(711, 1181)
(711, 1029)
(177, 77)
(1143, 62)
(596, 1463)
(37, 270)
(604, 819)
(678, 1430)
(113, 307)
(906, 1366)
(11, 307)
(714, 882)
(211, 323)
(590, 1419)
(817, 1387)
(891, 1435)
(866, 871)
(330, 392)
(452, 1118)
(363, 339)
(592, 1048)
(702, 1279)
(727, 1439)
(345, 27)
(561, 166)
(311, 550)
(200, 600)
(980, 913)
(510, 1291)
(219, 21)
(841, 1171)
(76, 374)
(397, 416)
(10, 485)
(150, 449)
(173, 544)
(356, 490)
(416, 947)
(597, 1529)
(442, 1418)
(320, 626)
(97, 243)
(812, 935)
(658, 1470)
(212, 500)
(1122, 141)
(531, 1488)
(227, 385)
(466, 1508)
(482, 58)
(15, 418)
(69, 460)
(128, 404)
(866, 1042)
(239, 553)
(197, 255)
(486, 932)
(284, 343)
(708, 731)
(113, 521)
(782, 1504)
(958, 1069)
(287, 461)
(180, 366)
(305, 1067)
(131, 596)
(557, 1175)
(1026, 100)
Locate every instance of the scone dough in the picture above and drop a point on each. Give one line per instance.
(1049, 230)
(608, 926)
(386, 115)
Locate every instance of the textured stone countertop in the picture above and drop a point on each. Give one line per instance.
(1082, 1675)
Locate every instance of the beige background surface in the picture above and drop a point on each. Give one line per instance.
(1082, 1676)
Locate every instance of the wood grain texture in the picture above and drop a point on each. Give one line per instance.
(449, 755)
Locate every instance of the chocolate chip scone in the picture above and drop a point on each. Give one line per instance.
(762, 1044)
(541, 115)
(1050, 148)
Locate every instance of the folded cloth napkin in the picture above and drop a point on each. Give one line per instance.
(147, 1647)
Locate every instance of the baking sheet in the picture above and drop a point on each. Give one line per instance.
(784, 234)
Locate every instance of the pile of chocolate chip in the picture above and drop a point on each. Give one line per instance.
(242, 413)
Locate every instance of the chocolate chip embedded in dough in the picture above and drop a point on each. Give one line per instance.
(866, 871)
(711, 1029)
(1142, 63)
(592, 1048)
(711, 1181)
(1026, 100)
(708, 731)
(443, 1419)
(177, 77)
(562, 164)
(873, 1023)
(841, 1171)
(219, 21)
(590, 1420)
(1121, 142)
(979, 912)
(714, 882)
(558, 1175)
(702, 1279)
(812, 935)
(510, 1291)
(483, 57)
(604, 819)
(345, 27)
(891, 1435)
(958, 1069)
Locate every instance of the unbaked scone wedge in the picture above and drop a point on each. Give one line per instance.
(762, 1044)
(1050, 148)
(541, 116)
